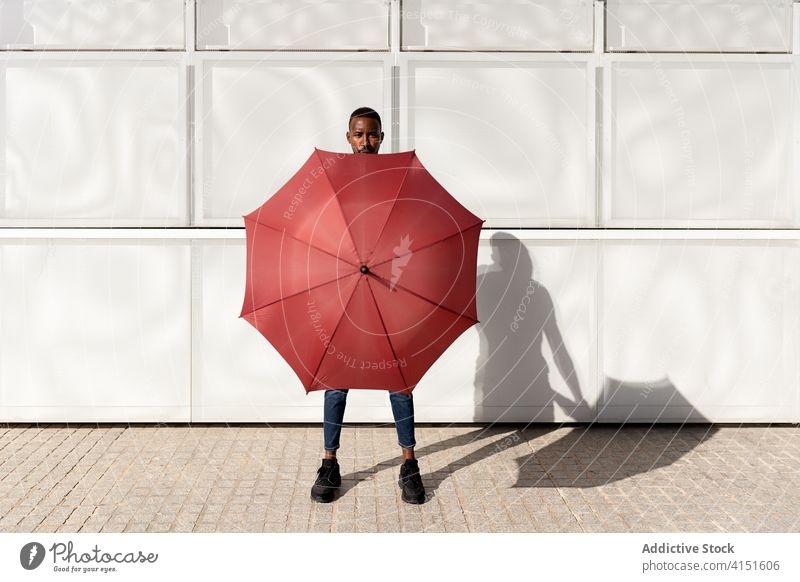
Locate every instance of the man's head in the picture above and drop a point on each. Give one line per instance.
(364, 131)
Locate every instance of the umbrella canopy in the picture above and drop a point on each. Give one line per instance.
(361, 271)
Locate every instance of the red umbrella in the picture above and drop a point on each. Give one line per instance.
(361, 271)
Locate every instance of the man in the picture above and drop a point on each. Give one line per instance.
(365, 137)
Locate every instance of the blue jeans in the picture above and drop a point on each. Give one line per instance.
(402, 409)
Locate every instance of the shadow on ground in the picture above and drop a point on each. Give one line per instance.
(585, 456)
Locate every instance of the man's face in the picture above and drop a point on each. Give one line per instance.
(365, 135)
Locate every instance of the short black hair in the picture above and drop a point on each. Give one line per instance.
(367, 112)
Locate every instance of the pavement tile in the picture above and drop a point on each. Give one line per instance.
(479, 478)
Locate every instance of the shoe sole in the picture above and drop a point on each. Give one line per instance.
(411, 500)
(321, 499)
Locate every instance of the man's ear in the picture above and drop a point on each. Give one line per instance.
(381, 137)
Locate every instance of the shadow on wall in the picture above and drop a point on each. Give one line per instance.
(517, 314)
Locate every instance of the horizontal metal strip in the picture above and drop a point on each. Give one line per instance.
(557, 234)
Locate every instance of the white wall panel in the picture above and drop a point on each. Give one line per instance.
(699, 25)
(535, 25)
(262, 119)
(696, 330)
(94, 331)
(496, 371)
(98, 142)
(299, 24)
(91, 24)
(513, 141)
(701, 143)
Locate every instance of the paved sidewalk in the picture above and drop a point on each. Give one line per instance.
(500, 478)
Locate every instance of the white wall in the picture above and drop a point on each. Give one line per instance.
(95, 141)
(645, 183)
(701, 141)
(94, 330)
(699, 26)
(696, 329)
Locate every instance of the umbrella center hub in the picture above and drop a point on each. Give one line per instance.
(364, 269)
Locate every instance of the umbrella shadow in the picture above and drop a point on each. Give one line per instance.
(598, 454)
(517, 314)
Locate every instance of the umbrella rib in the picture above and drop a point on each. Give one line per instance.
(338, 204)
(388, 339)
(301, 241)
(394, 203)
(407, 290)
(333, 334)
(300, 293)
(422, 248)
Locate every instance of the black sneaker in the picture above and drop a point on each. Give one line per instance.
(328, 481)
(411, 482)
